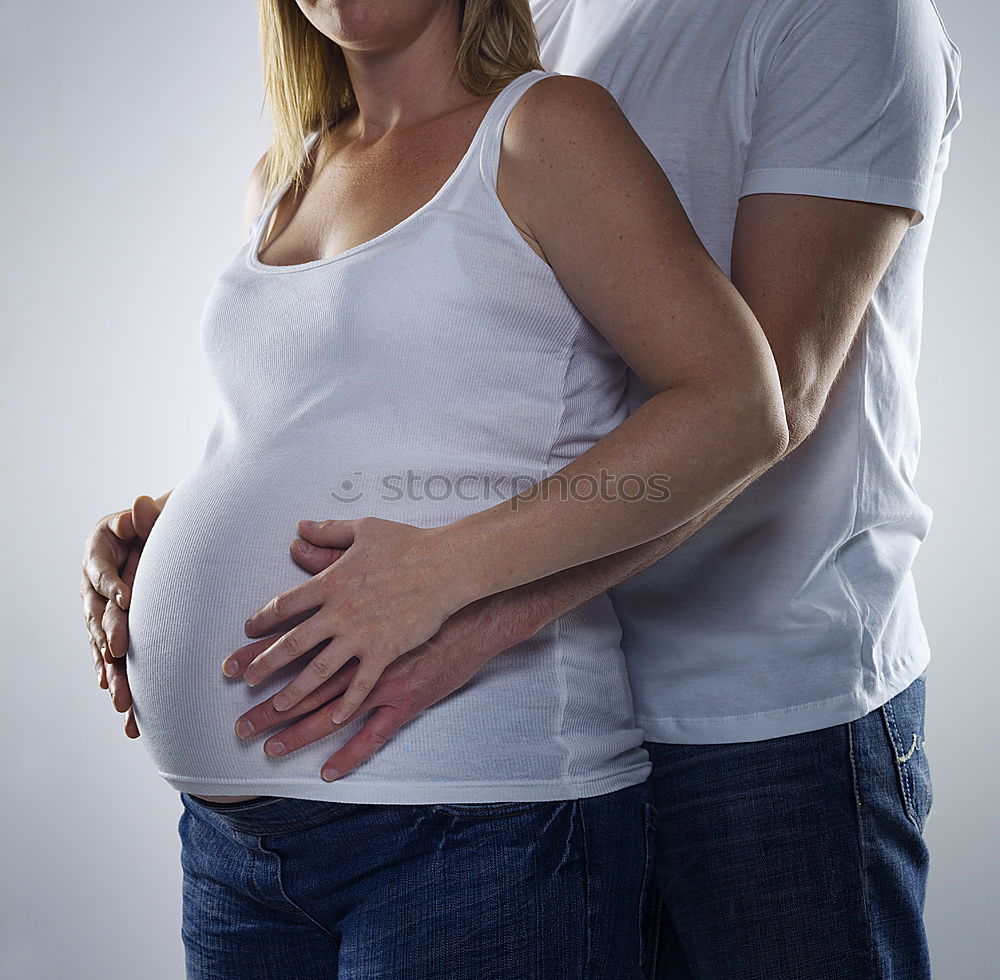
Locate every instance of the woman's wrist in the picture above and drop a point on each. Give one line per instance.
(462, 565)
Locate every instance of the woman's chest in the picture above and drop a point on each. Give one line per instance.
(354, 197)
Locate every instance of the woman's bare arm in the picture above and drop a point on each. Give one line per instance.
(614, 232)
(621, 245)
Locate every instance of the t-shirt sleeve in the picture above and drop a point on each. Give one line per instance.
(854, 99)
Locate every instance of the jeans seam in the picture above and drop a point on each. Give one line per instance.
(648, 828)
(862, 860)
(649, 897)
(651, 950)
(854, 765)
(585, 966)
(281, 887)
(491, 811)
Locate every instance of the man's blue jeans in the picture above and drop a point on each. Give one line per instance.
(279, 888)
(795, 858)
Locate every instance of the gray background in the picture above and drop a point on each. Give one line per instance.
(130, 132)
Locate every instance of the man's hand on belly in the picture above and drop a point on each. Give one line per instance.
(408, 686)
(390, 591)
(411, 684)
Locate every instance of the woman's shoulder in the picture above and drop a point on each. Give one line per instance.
(563, 124)
(565, 102)
(560, 115)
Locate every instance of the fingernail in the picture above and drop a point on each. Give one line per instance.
(244, 728)
(250, 676)
(274, 748)
(110, 648)
(307, 523)
(329, 774)
(119, 599)
(281, 702)
(230, 668)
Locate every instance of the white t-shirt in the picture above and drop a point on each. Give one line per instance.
(794, 608)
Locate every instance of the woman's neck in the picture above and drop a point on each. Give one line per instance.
(406, 79)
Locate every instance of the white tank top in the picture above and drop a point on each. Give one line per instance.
(421, 376)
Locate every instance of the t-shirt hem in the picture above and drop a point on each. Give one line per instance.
(848, 184)
(349, 790)
(791, 720)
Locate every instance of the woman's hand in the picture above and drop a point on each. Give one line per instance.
(111, 555)
(389, 592)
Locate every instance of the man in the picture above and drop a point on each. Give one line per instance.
(774, 645)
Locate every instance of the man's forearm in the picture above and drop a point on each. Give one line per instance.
(551, 597)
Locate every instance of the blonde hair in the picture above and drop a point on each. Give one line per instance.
(307, 85)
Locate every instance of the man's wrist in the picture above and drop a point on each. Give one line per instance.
(504, 619)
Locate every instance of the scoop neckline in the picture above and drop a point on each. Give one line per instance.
(265, 216)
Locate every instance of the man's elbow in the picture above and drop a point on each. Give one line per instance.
(761, 434)
(801, 421)
(770, 434)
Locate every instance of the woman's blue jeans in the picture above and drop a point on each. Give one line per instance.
(278, 888)
(797, 857)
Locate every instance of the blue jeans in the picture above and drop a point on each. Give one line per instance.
(798, 857)
(279, 887)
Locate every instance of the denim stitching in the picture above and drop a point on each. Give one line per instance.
(862, 863)
(646, 892)
(901, 768)
(895, 739)
(913, 748)
(651, 949)
(587, 938)
(281, 888)
(854, 767)
(492, 811)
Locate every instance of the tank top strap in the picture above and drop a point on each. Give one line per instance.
(496, 121)
(484, 148)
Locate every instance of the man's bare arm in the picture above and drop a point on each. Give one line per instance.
(807, 267)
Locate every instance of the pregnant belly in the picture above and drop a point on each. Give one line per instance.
(220, 550)
(217, 553)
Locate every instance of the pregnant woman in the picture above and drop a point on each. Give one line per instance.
(453, 256)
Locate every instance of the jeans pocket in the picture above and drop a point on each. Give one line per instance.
(242, 807)
(903, 721)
